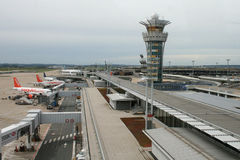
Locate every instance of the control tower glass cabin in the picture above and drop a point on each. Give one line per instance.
(155, 40)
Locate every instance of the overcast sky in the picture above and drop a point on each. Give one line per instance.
(93, 31)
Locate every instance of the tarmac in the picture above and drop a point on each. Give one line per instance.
(11, 113)
(123, 147)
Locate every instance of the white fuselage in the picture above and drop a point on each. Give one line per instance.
(70, 72)
(36, 91)
(49, 78)
(49, 83)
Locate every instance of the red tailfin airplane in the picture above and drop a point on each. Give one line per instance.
(47, 83)
(29, 91)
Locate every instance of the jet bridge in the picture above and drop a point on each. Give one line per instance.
(69, 94)
(29, 124)
(50, 97)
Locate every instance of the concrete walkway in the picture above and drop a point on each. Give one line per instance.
(117, 141)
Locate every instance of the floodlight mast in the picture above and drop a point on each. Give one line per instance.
(193, 68)
(227, 70)
(169, 66)
(108, 71)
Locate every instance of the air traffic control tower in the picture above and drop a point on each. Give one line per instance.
(155, 40)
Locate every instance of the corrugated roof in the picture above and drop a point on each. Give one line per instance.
(187, 119)
(226, 138)
(204, 127)
(224, 103)
(177, 148)
(234, 144)
(119, 97)
(196, 123)
(182, 116)
(214, 132)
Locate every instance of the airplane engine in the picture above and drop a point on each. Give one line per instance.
(30, 96)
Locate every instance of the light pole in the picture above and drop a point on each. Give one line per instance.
(169, 66)
(216, 68)
(118, 83)
(227, 67)
(107, 71)
(149, 117)
(192, 67)
(146, 111)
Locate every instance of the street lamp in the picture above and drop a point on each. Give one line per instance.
(192, 67)
(146, 109)
(227, 67)
(108, 67)
(169, 66)
(216, 68)
(147, 115)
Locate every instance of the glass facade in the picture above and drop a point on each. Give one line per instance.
(154, 59)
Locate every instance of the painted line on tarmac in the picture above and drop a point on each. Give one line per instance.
(40, 144)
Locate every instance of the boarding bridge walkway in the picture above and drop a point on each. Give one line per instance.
(33, 119)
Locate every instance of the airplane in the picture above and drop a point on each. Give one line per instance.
(70, 72)
(47, 83)
(48, 78)
(30, 91)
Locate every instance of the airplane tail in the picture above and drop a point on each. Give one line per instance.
(38, 78)
(63, 68)
(16, 83)
(44, 75)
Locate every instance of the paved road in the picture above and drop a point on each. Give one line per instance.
(58, 143)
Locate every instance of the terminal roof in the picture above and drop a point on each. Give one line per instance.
(119, 97)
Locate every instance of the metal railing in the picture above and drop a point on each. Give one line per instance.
(84, 129)
(101, 148)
